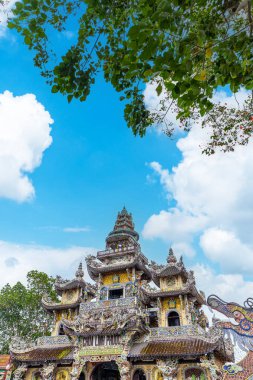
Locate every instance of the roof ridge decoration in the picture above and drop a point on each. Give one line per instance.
(171, 259)
(80, 272)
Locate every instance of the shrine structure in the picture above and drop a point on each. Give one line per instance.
(137, 321)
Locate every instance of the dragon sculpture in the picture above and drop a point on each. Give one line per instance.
(241, 330)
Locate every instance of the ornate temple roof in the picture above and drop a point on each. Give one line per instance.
(183, 348)
(172, 268)
(173, 293)
(182, 341)
(51, 306)
(78, 282)
(48, 348)
(65, 285)
(106, 317)
(41, 354)
(136, 260)
(123, 226)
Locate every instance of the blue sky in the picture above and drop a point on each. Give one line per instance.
(94, 166)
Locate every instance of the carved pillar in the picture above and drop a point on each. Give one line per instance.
(77, 369)
(168, 368)
(149, 373)
(210, 365)
(159, 305)
(124, 369)
(20, 372)
(77, 366)
(47, 371)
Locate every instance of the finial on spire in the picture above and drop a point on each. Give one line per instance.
(80, 272)
(171, 259)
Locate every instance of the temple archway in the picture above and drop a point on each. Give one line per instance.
(106, 371)
(173, 319)
(139, 374)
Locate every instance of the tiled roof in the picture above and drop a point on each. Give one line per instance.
(181, 348)
(59, 306)
(42, 353)
(4, 360)
(170, 293)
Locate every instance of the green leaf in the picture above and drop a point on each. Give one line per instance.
(69, 97)
(159, 89)
(28, 40)
(55, 89)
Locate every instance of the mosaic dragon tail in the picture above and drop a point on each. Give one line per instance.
(242, 328)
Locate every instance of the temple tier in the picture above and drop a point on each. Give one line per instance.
(139, 321)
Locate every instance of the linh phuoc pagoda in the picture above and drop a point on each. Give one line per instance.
(137, 321)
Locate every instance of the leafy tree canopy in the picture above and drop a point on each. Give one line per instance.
(21, 313)
(187, 48)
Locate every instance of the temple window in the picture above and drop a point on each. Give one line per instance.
(139, 375)
(115, 293)
(153, 319)
(173, 319)
(61, 330)
(194, 374)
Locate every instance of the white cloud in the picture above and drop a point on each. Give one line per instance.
(174, 225)
(225, 248)
(24, 136)
(229, 287)
(5, 11)
(212, 196)
(16, 260)
(76, 229)
(153, 104)
(183, 249)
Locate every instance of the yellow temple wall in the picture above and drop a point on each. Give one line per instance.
(60, 373)
(176, 283)
(165, 308)
(153, 373)
(70, 296)
(108, 278)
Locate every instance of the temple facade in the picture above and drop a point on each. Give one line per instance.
(137, 321)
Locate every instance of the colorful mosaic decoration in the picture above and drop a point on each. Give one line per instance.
(241, 330)
(242, 327)
(232, 369)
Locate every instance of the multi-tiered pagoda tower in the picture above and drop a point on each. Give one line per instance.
(121, 327)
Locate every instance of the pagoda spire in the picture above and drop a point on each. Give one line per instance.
(171, 259)
(123, 227)
(124, 221)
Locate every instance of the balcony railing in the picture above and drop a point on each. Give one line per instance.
(130, 248)
(19, 344)
(108, 304)
(172, 333)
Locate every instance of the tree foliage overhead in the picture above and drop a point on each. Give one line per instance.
(21, 313)
(187, 48)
